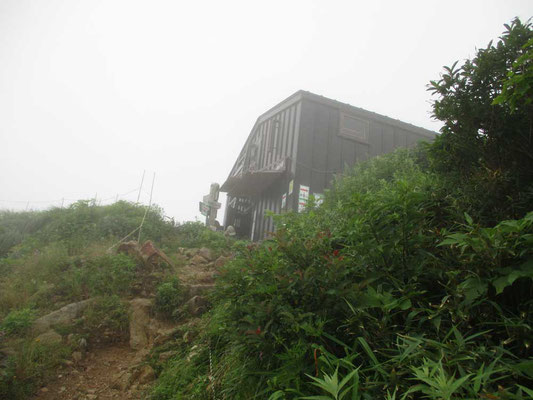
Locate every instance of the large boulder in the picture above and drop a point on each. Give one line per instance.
(206, 253)
(63, 316)
(140, 323)
(198, 260)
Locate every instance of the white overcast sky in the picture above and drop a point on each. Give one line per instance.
(94, 92)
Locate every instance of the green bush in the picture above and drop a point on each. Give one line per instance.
(168, 297)
(388, 278)
(18, 321)
(485, 146)
(98, 276)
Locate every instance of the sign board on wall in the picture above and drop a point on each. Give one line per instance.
(283, 201)
(291, 186)
(303, 197)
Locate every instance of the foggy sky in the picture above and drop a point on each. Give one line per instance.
(94, 92)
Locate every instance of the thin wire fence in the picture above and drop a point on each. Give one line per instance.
(132, 195)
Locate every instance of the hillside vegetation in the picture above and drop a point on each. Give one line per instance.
(49, 259)
(412, 280)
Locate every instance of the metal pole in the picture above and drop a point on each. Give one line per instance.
(140, 188)
(146, 211)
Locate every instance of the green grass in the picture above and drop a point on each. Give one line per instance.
(33, 364)
(55, 257)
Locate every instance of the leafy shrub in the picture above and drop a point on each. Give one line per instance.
(168, 297)
(99, 276)
(18, 321)
(485, 145)
(388, 278)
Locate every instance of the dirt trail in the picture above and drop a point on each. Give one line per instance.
(94, 377)
(117, 371)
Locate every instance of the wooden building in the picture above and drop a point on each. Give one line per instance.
(294, 150)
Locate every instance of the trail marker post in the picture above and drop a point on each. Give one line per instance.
(209, 205)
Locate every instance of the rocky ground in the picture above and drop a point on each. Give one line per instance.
(122, 371)
(102, 374)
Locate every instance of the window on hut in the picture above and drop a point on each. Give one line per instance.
(353, 128)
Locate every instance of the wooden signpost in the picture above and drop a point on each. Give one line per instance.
(210, 205)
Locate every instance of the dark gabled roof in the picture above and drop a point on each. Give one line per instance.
(303, 94)
(369, 114)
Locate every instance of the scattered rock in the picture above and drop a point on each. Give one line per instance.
(164, 335)
(63, 316)
(190, 252)
(139, 323)
(198, 260)
(121, 381)
(220, 261)
(166, 355)
(196, 305)
(139, 357)
(146, 375)
(49, 337)
(147, 252)
(206, 253)
(153, 255)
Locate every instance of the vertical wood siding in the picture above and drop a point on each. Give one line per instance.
(307, 133)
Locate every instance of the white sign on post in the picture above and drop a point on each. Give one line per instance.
(319, 198)
(211, 202)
